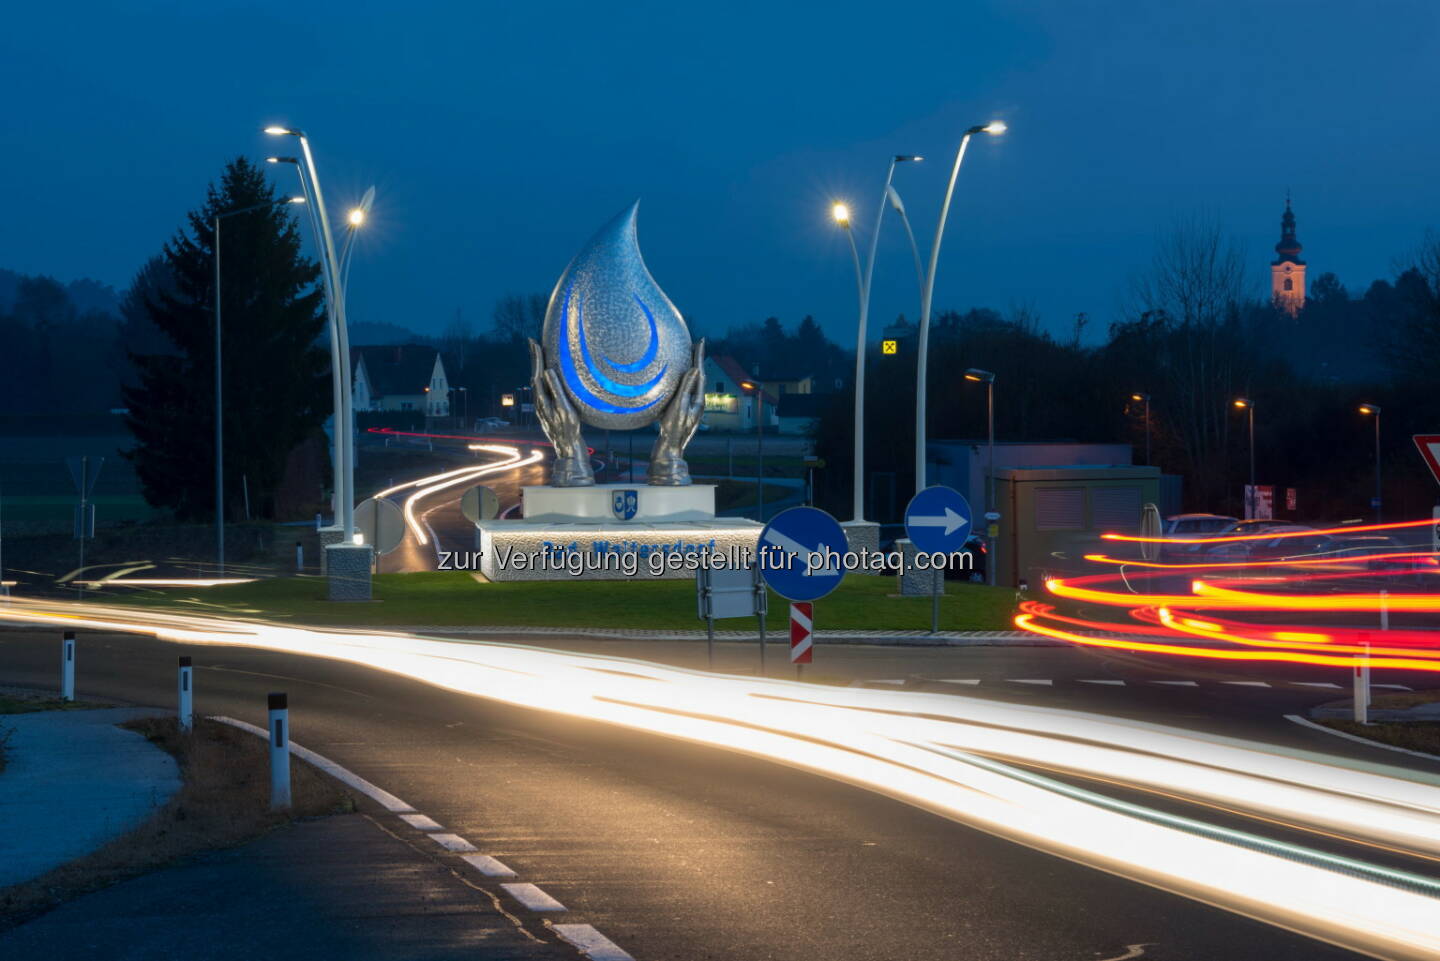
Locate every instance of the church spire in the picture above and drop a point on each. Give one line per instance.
(1288, 248)
(1287, 270)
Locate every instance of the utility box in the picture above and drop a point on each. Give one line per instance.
(1051, 517)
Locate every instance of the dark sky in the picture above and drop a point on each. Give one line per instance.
(500, 135)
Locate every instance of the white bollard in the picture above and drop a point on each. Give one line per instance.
(185, 712)
(67, 667)
(299, 556)
(279, 753)
(1361, 698)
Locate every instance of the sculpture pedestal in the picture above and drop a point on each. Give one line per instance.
(347, 568)
(585, 533)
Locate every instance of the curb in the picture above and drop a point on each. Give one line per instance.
(881, 638)
(1305, 722)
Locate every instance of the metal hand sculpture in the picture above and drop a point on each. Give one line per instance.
(561, 424)
(678, 424)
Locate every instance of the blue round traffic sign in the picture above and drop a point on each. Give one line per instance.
(801, 553)
(937, 521)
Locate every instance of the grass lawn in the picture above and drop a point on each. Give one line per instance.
(454, 598)
(60, 508)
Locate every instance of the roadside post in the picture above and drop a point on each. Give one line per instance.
(279, 752)
(67, 667)
(729, 592)
(1361, 695)
(802, 630)
(937, 521)
(185, 711)
(299, 558)
(801, 558)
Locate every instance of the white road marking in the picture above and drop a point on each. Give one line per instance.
(1131, 951)
(421, 822)
(958, 680)
(1248, 683)
(453, 842)
(1395, 687)
(1116, 683)
(532, 897)
(350, 779)
(1316, 684)
(1180, 683)
(886, 680)
(1031, 680)
(1305, 722)
(591, 943)
(488, 866)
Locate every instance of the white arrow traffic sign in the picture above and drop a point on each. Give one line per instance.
(794, 549)
(952, 521)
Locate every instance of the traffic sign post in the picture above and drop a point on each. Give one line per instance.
(84, 471)
(1429, 445)
(479, 503)
(802, 633)
(730, 592)
(937, 521)
(801, 558)
(381, 523)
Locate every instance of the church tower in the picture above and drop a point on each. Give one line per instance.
(1287, 270)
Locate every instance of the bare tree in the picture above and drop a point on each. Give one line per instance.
(1195, 290)
(519, 316)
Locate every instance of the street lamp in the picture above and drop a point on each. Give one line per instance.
(354, 220)
(858, 503)
(1374, 409)
(758, 391)
(219, 387)
(339, 336)
(1247, 405)
(987, 378)
(1137, 398)
(994, 128)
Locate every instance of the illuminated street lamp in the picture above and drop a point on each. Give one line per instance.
(987, 378)
(994, 128)
(1247, 405)
(841, 213)
(1137, 398)
(219, 388)
(755, 388)
(1374, 410)
(339, 336)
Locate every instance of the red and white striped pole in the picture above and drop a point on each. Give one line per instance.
(802, 631)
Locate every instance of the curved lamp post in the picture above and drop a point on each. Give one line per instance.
(1374, 410)
(994, 128)
(339, 338)
(219, 386)
(841, 213)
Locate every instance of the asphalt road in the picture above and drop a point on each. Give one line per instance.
(683, 852)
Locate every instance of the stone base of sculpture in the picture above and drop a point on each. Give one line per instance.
(612, 532)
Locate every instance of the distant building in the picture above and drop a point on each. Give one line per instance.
(1287, 270)
(400, 377)
(729, 402)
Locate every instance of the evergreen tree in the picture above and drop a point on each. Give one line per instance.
(275, 373)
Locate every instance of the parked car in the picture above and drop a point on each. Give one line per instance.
(1196, 525)
(491, 423)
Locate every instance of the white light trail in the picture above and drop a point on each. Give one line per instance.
(439, 482)
(955, 756)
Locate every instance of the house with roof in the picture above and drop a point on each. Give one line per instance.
(730, 397)
(400, 377)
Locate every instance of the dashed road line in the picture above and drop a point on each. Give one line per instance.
(1395, 687)
(953, 680)
(1325, 684)
(1247, 683)
(488, 866)
(584, 937)
(1115, 683)
(453, 842)
(1179, 683)
(1045, 681)
(532, 897)
(591, 943)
